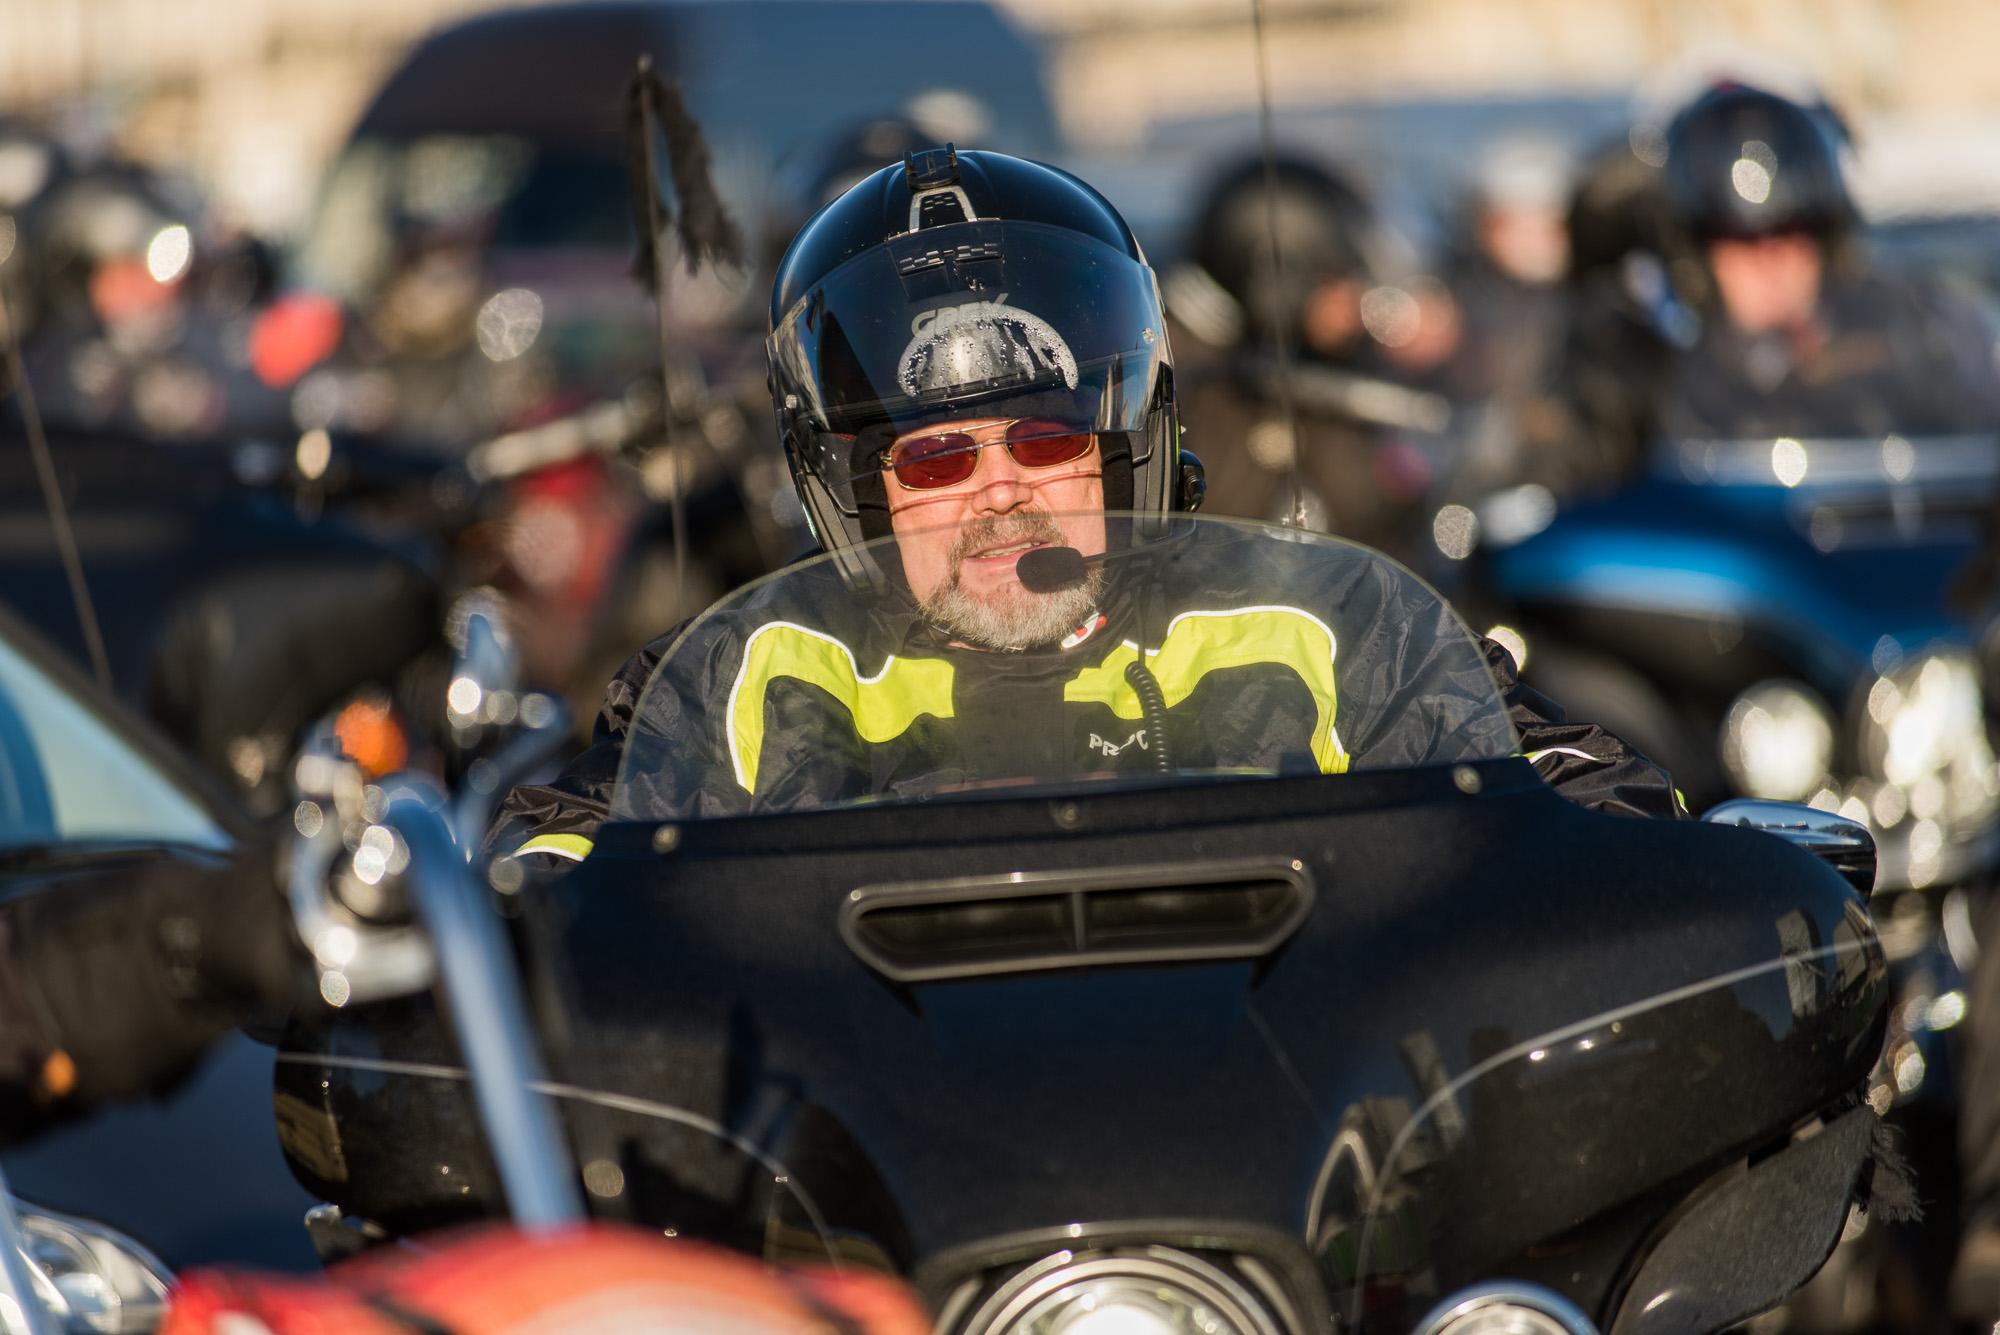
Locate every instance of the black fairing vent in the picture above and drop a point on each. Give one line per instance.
(920, 932)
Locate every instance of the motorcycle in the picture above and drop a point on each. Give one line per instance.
(1206, 1048)
(1768, 618)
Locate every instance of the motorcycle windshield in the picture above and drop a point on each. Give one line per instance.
(1001, 654)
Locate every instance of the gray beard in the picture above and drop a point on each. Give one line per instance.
(1013, 618)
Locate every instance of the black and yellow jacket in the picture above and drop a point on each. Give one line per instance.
(800, 696)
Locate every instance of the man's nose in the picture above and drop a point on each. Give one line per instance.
(1003, 485)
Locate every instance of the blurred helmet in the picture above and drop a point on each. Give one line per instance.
(958, 285)
(1746, 163)
(1321, 226)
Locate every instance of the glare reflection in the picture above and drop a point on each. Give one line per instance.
(508, 323)
(168, 256)
(1898, 458)
(334, 988)
(464, 696)
(1391, 316)
(1777, 741)
(1788, 461)
(1456, 531)
(1751, 180)
(315, 452)
(1512, 641)
(1909, 1070)
(1947, 1010)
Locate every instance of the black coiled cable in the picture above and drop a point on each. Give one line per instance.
(1154, 702)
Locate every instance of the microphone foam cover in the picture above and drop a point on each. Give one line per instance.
(1049, 569)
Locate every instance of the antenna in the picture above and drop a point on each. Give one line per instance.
(1279, 342)
(705, 229)
(678, 501)
(45, 469)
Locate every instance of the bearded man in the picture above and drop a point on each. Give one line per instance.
(971, 376)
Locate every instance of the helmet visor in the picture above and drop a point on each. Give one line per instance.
(978, 320)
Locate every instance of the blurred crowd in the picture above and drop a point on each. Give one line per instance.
(295, 472)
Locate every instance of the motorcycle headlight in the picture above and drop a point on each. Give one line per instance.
(1506, 1307)
(1154, 1291)
(92, 1280)
(1925, 734)
(1777, 741)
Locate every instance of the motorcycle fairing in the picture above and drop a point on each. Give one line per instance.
(815, 1105)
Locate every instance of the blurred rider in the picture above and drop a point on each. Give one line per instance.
(968, 354)
(1761, 319)
(1348, 336)
(1509, 286)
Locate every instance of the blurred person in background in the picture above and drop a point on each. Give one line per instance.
(1627, 319)
(1348, 335)
(1739, 306)
(1509, 286)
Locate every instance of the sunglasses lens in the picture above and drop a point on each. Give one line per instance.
(1043, 442)
(928, 462)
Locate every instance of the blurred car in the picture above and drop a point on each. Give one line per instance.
(87, 789)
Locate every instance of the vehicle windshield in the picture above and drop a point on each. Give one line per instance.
(66, 776)
(855, 678)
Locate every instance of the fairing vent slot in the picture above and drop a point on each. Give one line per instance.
(980, 926)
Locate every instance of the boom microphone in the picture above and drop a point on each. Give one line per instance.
(1051, 569)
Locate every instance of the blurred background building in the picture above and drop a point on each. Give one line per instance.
(253, 97)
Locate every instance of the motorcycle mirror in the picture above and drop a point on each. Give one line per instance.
(1842, 844)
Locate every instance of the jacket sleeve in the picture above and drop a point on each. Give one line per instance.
(1581, 761)
(551, 824)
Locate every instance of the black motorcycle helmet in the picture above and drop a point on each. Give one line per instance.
(1320, 223)
(1745, 163)
(959, 285)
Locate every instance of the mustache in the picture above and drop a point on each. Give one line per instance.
(998, 530)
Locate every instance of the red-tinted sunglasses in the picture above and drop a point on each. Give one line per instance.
(926, 463)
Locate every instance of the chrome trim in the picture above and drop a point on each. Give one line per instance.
(917, 205)
(1280, 1254)
(1165, 1265)
(1508, 1293)
(1843, 844)
(18, 1272)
